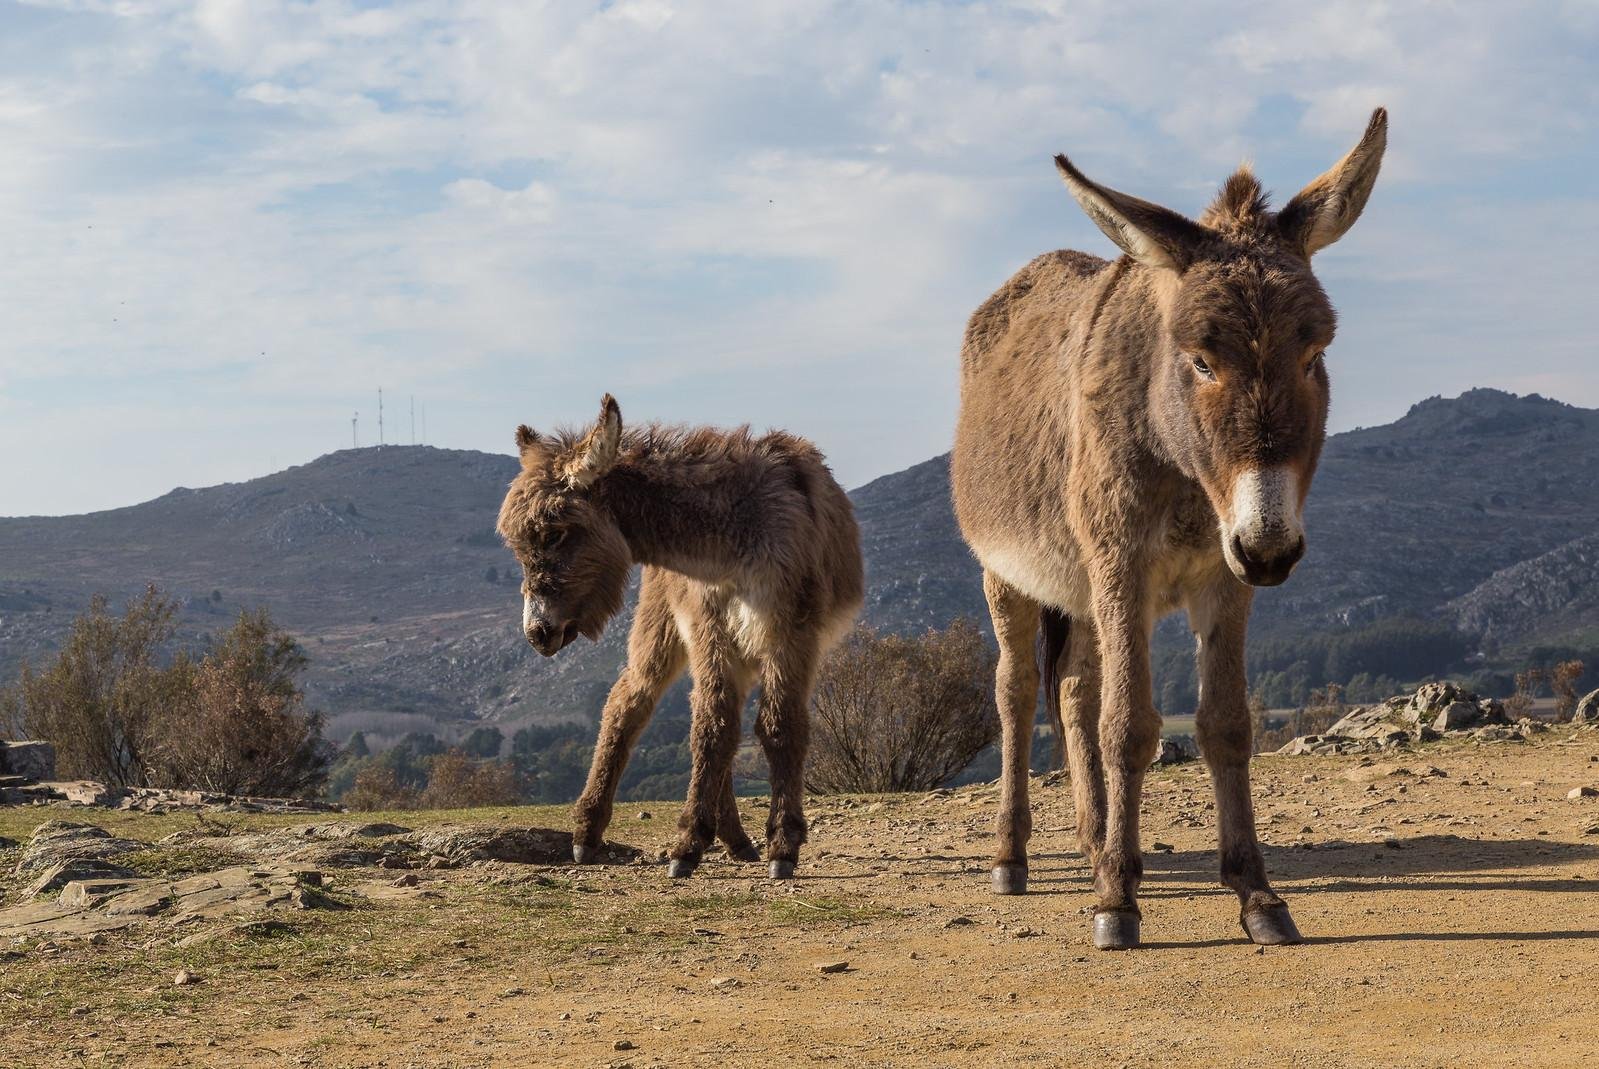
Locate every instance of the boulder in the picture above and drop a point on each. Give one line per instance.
(1176, 749)
(1458, 716)
(1587, 709)
(33, 760)
(59, 875)
(57, 841)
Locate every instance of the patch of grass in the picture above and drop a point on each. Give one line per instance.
(175, 861)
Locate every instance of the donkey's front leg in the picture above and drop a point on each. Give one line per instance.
(1219, 616)
(1129, 734)
(717, 702)
(729, 828)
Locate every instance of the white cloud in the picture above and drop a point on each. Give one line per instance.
(771, 212)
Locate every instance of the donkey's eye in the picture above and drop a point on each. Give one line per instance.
(553, 537)
(1203, 368)
(1315, 362)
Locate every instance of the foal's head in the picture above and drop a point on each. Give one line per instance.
(1240, 397)
(574, 559)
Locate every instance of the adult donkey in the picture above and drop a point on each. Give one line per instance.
(1135, 437)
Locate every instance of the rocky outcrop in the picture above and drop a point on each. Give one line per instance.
(152, 799)
(28, 760)
(347, 844)
(1587, 709)
(57, 842)
(1434, 711)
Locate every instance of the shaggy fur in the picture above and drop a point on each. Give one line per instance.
(752, 570)
(1135, 437)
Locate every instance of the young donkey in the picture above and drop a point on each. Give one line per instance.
(1134, 437)
(752, 570)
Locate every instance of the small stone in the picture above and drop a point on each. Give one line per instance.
(724, 983)
(512, 992)
(957, 922)
(1578, 793)
(623, 1044)
(1162, 848)
(832, 966)
(643, 814)
(184, 978)
(409, 879)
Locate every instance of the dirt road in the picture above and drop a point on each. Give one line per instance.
(1450, 897)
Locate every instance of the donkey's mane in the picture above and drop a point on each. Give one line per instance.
(668, 442)
(1242, 205)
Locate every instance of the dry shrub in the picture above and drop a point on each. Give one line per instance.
(233, 722)
(1528, 684)
(901, 714)
(1563, 681)
(457, 781)
(378, 787)
(1324, 708)
(244, 728)
(99, 703)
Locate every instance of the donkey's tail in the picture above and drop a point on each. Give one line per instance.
(1054, 632)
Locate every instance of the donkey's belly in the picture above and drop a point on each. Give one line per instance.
(1047, 577)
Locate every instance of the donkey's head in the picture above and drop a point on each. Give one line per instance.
(1239, 394)
(574, 559)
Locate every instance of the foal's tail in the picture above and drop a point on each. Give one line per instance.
(1054, 633)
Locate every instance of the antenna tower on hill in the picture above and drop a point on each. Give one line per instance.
(355, 431)
(380, 417)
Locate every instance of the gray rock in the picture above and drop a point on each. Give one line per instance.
(60, 875)
(1458, 716)
(1587, 709)
(56, 841)
(33, 760)
(1176, 749)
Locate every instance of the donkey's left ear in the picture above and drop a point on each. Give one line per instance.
(1150, 234)
(1324, 211)
(597, 451)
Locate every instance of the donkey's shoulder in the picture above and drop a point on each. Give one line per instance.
(1042, 279)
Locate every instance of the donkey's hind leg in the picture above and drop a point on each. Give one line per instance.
(1219, 616)
(1079, 700)
(722, 678)
(783, 724)
(730, 829)
(655, 657)
(1016, 691)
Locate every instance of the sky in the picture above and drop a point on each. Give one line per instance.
(226, 224)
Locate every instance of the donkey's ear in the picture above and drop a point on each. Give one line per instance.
(597, 451)
(1150, 234)
(1323, 211)
(530, 446)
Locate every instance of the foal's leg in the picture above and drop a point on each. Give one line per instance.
(1129, 734)
(1079, 702)
(721, 683)
(1016, 691)
(729, 828)
(655, 657)
(783, 724)
(1219, 616)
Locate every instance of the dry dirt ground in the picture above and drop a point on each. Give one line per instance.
(1450, 897)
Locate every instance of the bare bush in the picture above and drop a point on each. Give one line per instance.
(1563, 681)
(1323, 708)
(99, 703)
(457, 781)
(242, 727)
(1528, 684)
(378, 787)
(901, 714)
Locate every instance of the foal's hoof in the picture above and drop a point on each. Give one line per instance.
(585, 855)
(681, 868)
(1009, 879)
(1116, 929)
(781, 870)
(1271, 926)
(746, 852)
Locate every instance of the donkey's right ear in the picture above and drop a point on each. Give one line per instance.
(1150, 234)
(530, 446)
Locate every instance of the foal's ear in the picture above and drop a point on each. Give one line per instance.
(1150, 234)
(532, 449)
(1323, 211)
(597, 451)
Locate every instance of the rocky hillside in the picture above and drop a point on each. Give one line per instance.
(1480, 510)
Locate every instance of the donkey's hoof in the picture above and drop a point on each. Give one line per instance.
(585, 855)
(1116, 929)
(781, 870)
(746, 852)
(681, 868)
(1009, 879)
(1272, 926)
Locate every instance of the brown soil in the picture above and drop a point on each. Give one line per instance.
(1452, 918)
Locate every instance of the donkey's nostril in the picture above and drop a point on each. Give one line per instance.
(539, 635)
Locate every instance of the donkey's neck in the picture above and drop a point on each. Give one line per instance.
(683, 512)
